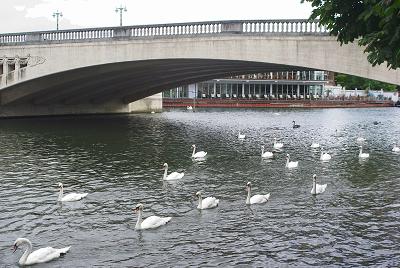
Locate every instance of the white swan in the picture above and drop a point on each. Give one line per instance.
(361, 154)
(314, 145)
(395, 148)
(69, 197)
(38, 256)
(277, 145)
(325, 156)
(291, 164)
(208, 202)
(360, 139)
(241, 136)
(266, 154)
(173, 175)
(317, 188)
(200, 154)
(255, 199)
(150, 222)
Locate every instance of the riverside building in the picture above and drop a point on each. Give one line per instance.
(313, 89)
(269, 86)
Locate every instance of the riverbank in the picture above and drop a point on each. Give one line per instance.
(259, 103)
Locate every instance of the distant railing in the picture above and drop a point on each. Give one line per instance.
(281, 27)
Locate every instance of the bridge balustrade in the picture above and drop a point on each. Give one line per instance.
(288, 26)
(280, 27)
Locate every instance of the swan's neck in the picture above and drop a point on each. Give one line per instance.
(248, 195)
(200, 202)
(361, 151)
(287, 161)
(165, 173)
(262, 151)
(139, 220)
(194, 151)
(60, 195)
(314, 187)
(28, 251)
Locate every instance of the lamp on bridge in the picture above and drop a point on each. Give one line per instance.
(57, 15)
(120, 10)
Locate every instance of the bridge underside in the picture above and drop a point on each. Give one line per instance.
(109, 88)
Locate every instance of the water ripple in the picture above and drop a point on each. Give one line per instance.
(118, 161)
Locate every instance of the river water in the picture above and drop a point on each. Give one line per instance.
(118, 161)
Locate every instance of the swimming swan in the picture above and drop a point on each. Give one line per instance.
(241, 136)
(200, 154)
(361, 154)
(150, 222)
(69, 197)
(291, 164)
(294, 125)
(255, 199)
(325, 156)
(314, 145)
(317, 188)
(173, 175)
(266, 154)
(395, 148)
(206, 203)
(38, 256)
(277, 145)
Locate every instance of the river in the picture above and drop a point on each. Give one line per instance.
(118, 161)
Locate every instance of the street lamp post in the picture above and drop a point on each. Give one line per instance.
(120, 10)
(57, 15)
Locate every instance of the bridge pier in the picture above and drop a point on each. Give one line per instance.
(146, 105)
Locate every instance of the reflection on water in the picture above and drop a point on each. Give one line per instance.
(118, 161)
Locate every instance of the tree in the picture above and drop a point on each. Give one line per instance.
(374, 23)
(352, 82)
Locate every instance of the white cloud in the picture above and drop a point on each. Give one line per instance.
(19, 8)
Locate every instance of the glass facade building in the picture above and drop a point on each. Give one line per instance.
(272, 85)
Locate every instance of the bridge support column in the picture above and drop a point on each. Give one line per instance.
(147, 105)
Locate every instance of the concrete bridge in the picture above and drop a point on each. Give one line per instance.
(104, 70)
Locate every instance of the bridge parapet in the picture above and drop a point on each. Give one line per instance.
(272, 27)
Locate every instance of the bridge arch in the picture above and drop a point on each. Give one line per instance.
(129, 63)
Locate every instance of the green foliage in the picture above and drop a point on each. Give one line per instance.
(352, 82)
(374, 23)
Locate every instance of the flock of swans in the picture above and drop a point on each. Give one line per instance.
(47, 254)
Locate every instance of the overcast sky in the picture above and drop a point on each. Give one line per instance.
(36, 15)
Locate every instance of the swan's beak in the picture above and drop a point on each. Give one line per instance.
(15, 247)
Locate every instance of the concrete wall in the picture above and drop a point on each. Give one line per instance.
(146, 105)
(318, 52)
(26, 110)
